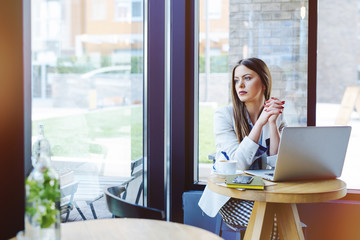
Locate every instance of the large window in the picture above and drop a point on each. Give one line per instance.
(87, 90)
(338, 90)
(276, 32)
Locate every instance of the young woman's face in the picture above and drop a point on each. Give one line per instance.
(248, 85)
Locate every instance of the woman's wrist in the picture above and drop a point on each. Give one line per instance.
(273, 124)
(255, 132)
(259, 124)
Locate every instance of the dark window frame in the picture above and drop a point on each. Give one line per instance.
(154, 149)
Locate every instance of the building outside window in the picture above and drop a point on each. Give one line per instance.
(98, 10)
(213, 9)
(128, 10)
(136, 10)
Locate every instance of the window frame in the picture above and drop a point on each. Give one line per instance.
(154, 172)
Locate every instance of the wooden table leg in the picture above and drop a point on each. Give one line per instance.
(262, 219)
(268, 222)
(250, 226)
(289, 221)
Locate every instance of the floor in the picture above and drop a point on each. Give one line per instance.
(100, 210)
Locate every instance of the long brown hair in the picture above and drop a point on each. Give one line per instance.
(242, 127)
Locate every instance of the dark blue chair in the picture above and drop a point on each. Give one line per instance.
(194, 216)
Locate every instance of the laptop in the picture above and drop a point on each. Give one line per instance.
(308, 153)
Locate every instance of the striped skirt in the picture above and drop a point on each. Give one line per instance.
(236, 214)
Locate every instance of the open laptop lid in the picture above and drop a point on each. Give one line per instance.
(311, 153)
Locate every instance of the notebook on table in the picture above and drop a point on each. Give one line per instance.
(308, 153)
(255, 183)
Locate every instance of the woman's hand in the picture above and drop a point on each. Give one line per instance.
(275, 107)
(272, 109)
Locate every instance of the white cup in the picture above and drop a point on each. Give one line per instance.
(225, 167)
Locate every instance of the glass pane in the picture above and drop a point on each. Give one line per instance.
(136, 9)
(338, 82)
(274, 31)
(87, 90)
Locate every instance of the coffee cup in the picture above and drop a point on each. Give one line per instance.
(225, 167)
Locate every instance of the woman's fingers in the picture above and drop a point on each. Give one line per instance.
(274, 110)
(274, 101)
(274, 104)
(271, 106)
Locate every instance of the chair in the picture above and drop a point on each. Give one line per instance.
(226, 232)
(67, 198)
(101, 181)
(134, 186)
(125, 200)
(194, 216)
(121, 208)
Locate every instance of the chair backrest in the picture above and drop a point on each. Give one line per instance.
(121, 208)
(67, 192)
(134, 187)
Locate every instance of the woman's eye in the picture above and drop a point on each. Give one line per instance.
(247, 78)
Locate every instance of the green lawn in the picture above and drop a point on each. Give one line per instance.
(206, 133)
(76, 135)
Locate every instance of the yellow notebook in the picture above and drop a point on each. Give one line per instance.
(256, 183)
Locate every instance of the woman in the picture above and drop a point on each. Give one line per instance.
(248, 131)
(250, 126)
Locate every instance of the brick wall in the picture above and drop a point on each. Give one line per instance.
(274, 31)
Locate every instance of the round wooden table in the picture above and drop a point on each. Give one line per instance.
(132, 228)
(281, 199)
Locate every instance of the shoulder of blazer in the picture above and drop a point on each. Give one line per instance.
(224, 112)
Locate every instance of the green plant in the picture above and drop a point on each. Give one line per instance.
(42, 199)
